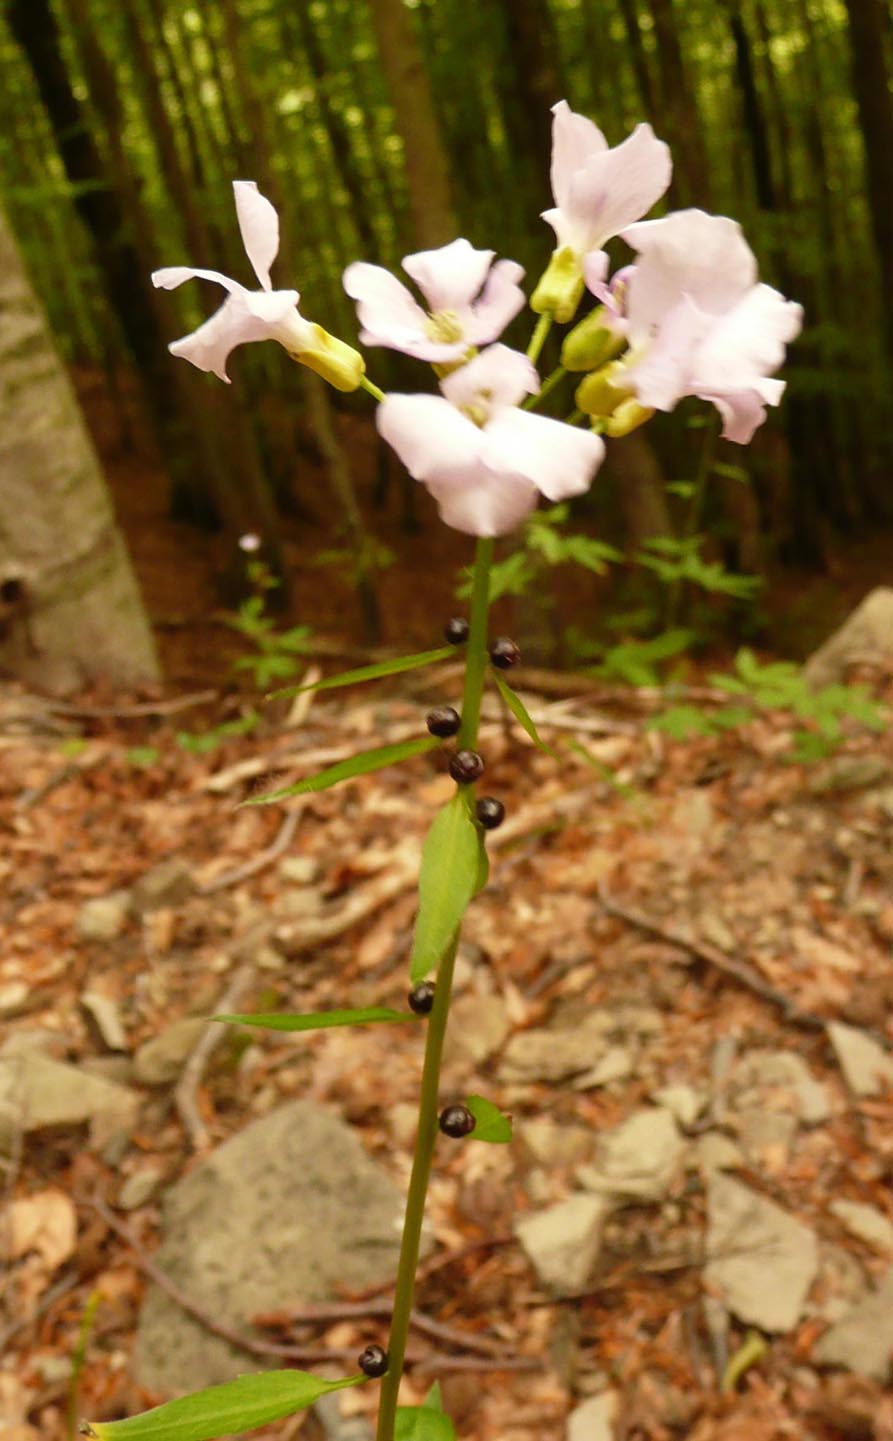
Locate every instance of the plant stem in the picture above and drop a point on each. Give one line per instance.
(538, 338)
(550, 383)
(475, 670)
(366, 384)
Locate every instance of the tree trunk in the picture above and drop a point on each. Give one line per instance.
(427, 170)
(691, 175)
(871, 86)
(70, 610)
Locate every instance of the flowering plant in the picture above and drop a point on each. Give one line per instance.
(686, 317)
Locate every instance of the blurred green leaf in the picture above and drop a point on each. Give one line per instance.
(519, 711)
(491, 1124)
(371, 672)
(317, 1020)
(358, 765)
(451, 868)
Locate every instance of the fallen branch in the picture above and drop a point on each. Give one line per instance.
(381, 1310)
(159, 707)
(185, 1095)
(260, 861)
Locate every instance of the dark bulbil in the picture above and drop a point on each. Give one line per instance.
(373, 1361)
(421, 998)
(456, 630)
(456, 1121)
(466, 767)
(443, 721)
(504, 653)
(490, 812)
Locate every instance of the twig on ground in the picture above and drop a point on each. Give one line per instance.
(702, 951)
(210, 1038)
(260, 861)
(355, 1311)
(159, 707)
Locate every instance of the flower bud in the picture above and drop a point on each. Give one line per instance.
(560, 287)
(592, 342)
(338, 363)
(628, 416)
(602, 391)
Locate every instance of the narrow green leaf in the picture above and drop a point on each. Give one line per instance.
(236, 1406)
(371, 672)
(451, 865)
(422, 1423)
(434, 1400)
(491, 1124)
(358, 765)
(316, 1020)
(519, 711)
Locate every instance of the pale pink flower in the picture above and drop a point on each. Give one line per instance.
(698, 323)
(484, 460)
(599, 191)
(264, 314)
(469, 301)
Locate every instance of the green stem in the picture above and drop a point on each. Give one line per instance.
(548, 385)
(475, 670)
(366, 384)
(538, 338)
(693, 518)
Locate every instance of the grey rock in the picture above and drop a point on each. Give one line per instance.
(765, 1134)
(777, 1081)
(863, 1340)
(865, 1222)
(104, 1013)
(616, 1064)
(299, 870)
(478, 1027)
(762, 1260)
(13, 995)
(594, 1419)
(715, 1152)
(562, 1242)
(159, 1061)
(555, 1053)
(284, 1213)
(866, 1066)
(104, 917)
(868, 631)
(553, 1144)
(683, 1102)
(638, 1160)
(37, 1092)
(170, 883)
(140, 1188)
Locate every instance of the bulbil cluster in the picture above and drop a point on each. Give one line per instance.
(456, 1121)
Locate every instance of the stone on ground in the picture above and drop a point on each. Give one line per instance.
(104, 917)
(866, 1066)
(865, 1222)
(594, 1419)
(284, 1213)
(562, 1242)
(762, 1260)
(866, 634)
(863, 1340)
(37, 1092)
(159, 1061)
(639, 1160)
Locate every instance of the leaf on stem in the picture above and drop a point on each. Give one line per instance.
(317, 1020)
(520, 712)
(448, 879)
(358, 765)
(236, 1406)
(421, 1423)
(371, 672)
(491, 1124)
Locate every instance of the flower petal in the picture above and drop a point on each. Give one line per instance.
(558, 459)
(742, 413)
(500, 301)
(689, 252)
(620, 185)
(391, 317)
(482, 502)
(431, 437)
(451, 276)
(748, 343)
(170, 276)
(665, 372)
(259, 225)
(244, 316)
(575, 141)
(498, 376)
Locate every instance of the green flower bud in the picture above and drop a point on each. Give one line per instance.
(628, 416)
(560, 287)
(591, 343)
(600, 393)
(338, 363)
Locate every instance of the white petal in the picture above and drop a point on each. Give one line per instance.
(742, 413)
(431, 437)
(498, 376)
(259, 225)
(595, 270)
(703, 256)
(748, 343)
(481, 502)
(244, 316)
(391, 317)
(575, 140)
(558, 459)
(666, 371)
(450, 277)
(619, 186)
(173, 275)
(500, 301)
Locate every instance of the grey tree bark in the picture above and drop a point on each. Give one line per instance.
(70, 610)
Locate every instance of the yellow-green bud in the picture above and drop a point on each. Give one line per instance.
(560, 287)
(591, 342)
(601, 392)
(338, 363)
(628, 416)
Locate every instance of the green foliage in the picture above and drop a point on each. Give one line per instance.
(142, 756)
(317, 1020)
(234, 1407)
(519, 711)
(637, 662)
(357, 564)
(358, 765)
(491, 1124)
(372, 672)
(426, 1422)
(449, 878)
(202, 743)
(678, 561)
(274, 652)
(543, 544)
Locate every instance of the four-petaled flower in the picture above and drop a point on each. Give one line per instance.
(484, 460)
(470, 301)
(698, 323)
(264, 314)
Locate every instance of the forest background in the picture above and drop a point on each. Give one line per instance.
(383, 127)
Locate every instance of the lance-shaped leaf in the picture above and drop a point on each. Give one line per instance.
(490, 1124)
(371, 672)
(451, 868)
(358, 765)
(236, 1406)
(317, 1020)
(520, 712)
(422, 1423)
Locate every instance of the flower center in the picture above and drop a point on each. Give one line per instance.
(445, 326)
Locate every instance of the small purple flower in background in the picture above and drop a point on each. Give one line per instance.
(699, 323)
(265, 314)
(484, 460)
(470, 301)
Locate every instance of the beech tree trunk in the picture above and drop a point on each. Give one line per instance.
(868, 24)
(70, 610)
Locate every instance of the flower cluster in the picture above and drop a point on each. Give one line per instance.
(687, 317)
